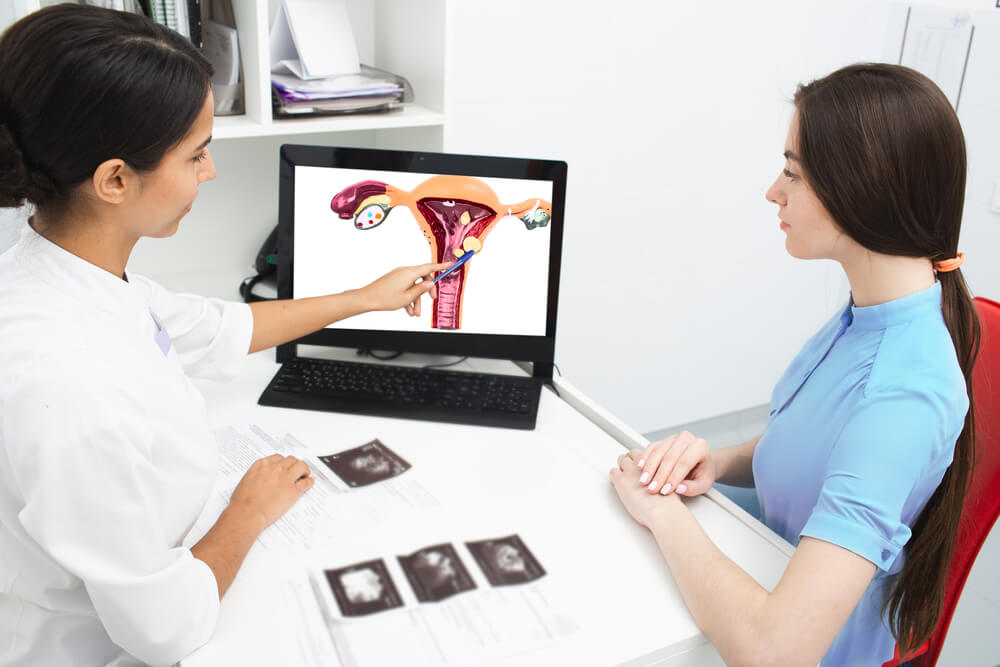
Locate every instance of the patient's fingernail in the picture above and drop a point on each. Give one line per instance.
(643, 477)
(681, 488)
(652, 485)
(641, 462)
(666, 488)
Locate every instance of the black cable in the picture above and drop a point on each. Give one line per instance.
(246, 289)
(371, 353)
(551, 384)
(451, 363)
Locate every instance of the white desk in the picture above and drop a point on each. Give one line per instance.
(549, 485)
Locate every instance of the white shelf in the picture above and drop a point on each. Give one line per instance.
(411, 115)
(381, 27)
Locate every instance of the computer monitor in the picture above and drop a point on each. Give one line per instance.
(349, 215)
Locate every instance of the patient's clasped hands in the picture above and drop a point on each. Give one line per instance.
(679, 464)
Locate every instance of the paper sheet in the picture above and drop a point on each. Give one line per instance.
(324, 512)
(314, 39)
(483, 621)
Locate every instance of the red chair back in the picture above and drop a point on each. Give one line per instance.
(982, 503)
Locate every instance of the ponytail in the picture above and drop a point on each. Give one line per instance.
(915, 603)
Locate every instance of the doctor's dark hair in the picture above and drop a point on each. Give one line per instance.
(80, 85)
(882, 148)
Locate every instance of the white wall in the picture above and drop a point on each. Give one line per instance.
(979, 112)
(678, 300)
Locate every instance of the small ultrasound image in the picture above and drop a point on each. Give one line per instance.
(363, 588)
(506, 561)
(436, 573)
(370, 463)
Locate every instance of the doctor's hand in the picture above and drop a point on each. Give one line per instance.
(641, 505)
(402, 288)
(680, 463)
(270, 487)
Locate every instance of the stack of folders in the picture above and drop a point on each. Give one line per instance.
(372, 90)
(315, 67)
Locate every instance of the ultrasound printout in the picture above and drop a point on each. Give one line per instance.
(370, 463)
(436, 572)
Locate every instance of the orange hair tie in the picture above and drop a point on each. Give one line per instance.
(950, 264)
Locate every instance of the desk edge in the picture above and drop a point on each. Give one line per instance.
(630, 438)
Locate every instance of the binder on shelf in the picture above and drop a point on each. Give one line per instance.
(312, 39)
(182, 16)
(221, 47)
(194, 22)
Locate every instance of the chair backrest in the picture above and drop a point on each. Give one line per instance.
(982, 504)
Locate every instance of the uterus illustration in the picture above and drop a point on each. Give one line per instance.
(455, 214)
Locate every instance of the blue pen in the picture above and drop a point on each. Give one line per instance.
(461, 260)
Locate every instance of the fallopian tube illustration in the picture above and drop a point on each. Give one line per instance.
(455, 213)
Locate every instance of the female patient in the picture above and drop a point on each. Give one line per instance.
(866, 456)
(106, 458)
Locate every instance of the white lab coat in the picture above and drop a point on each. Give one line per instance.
(106, 460)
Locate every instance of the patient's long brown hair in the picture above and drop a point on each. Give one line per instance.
(882, 148)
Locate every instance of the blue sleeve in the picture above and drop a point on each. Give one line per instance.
(889, 458)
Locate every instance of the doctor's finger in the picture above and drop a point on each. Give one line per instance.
(427, 270)
(289, 461)
(300, 469)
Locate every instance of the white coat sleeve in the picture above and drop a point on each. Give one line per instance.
(80, 450)
(211, 336)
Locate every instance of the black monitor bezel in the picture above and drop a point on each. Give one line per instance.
(537, 349)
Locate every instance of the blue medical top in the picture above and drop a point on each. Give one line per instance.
(862, 427)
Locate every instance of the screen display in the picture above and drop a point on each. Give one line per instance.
(351, 226)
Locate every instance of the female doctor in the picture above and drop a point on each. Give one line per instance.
(866, 456)
(106, 458)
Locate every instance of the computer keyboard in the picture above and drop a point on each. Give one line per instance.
(407, 392)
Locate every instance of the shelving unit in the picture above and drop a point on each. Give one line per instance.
(253, 21)
(383, 30)
(218, 240)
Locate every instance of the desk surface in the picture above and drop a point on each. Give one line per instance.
(549, 485)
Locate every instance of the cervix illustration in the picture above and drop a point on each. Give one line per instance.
(455, 213)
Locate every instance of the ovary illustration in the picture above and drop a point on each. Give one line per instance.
(455, 214)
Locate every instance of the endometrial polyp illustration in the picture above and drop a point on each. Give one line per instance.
(455, 213)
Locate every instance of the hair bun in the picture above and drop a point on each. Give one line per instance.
(13, 172)
(18, 183)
